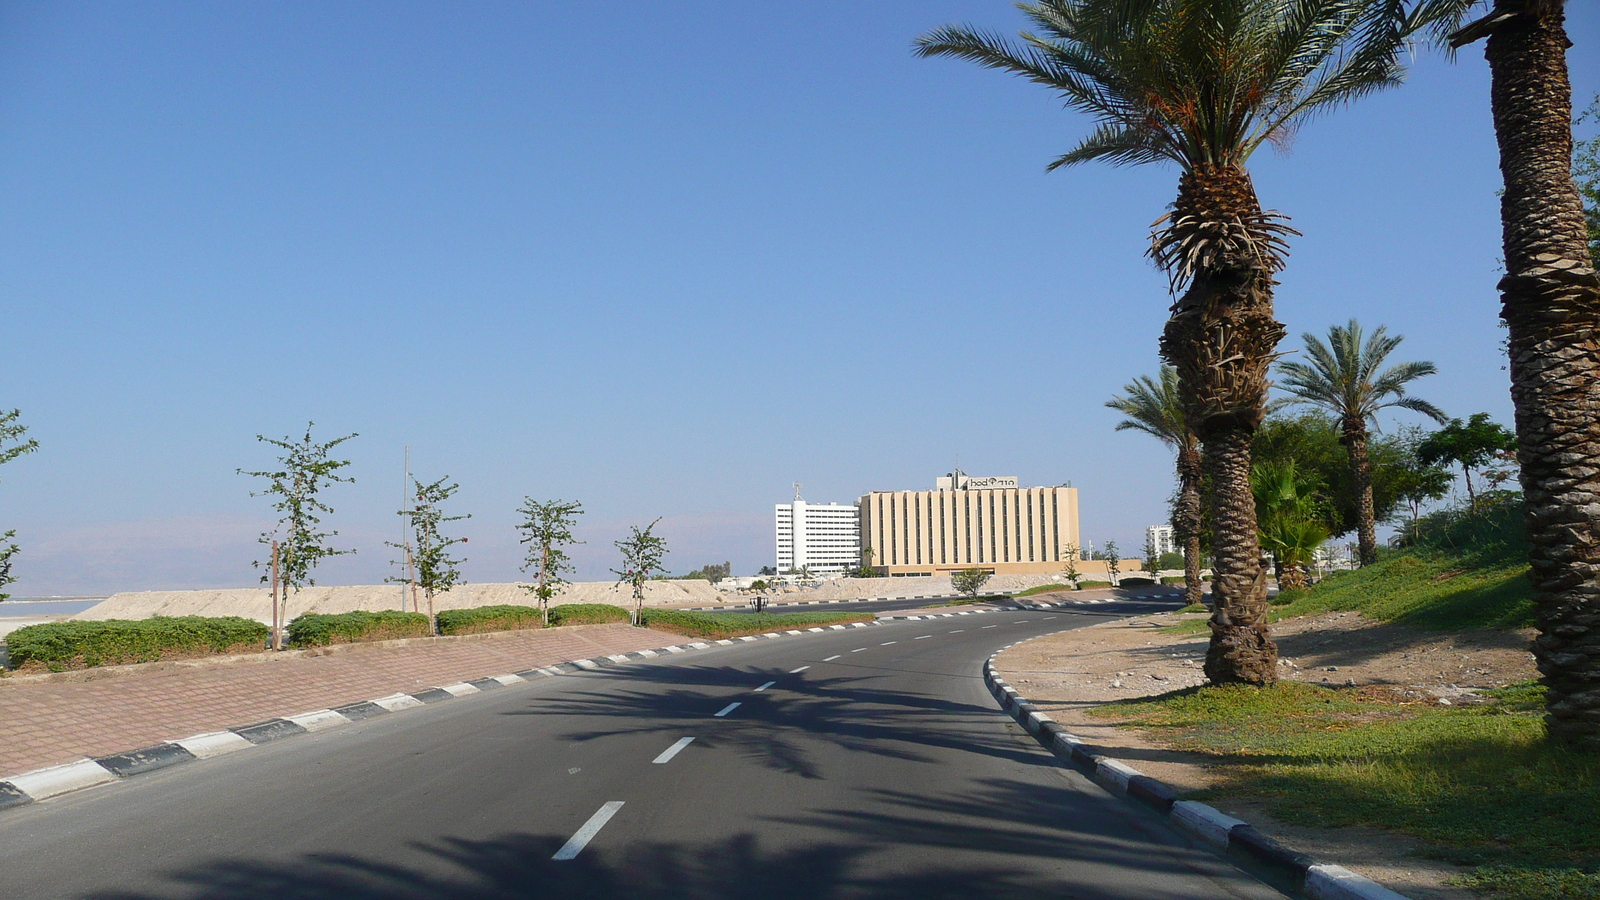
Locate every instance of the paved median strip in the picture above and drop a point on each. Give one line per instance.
(577, 842)
(40, 784)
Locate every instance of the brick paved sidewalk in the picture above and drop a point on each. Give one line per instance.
(47, 721)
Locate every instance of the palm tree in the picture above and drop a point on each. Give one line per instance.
(1203, 84)
(1550, 301)
(1346, 377)
(1286, 510)
(1153, 407)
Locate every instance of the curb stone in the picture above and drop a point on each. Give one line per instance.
(31, 787)
(1220, 831)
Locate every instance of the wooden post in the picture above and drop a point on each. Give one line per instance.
(277, 632)
(544, 602)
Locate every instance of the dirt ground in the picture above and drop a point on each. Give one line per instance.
(1069, 673)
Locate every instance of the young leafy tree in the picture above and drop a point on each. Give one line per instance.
(1414, 481)
(1155, 407)
(968, 582)
(435, 569)
(547, 532)
(1550, 302)
(304, 470)
(12, 445)
(1152, 558)
(1069, 565)
(1113, 563)
(642, 554)
(1203, 84)
(1346, 377)
(1470, 445)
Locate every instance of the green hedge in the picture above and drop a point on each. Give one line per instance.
(720, 625)
(587, 614)
(319, 630)
(1172, 579)
(1094, 584)
(488, 618)
(1136, 581)
(58, 646)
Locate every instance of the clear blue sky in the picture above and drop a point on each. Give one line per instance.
(663, 258)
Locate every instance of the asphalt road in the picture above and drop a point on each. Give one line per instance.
(855, 764)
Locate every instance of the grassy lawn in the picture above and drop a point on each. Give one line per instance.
(1465, 572)
(1479, 783)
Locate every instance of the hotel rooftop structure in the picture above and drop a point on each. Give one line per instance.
(966, 522)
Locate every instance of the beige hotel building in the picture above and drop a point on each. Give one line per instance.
(966, 522)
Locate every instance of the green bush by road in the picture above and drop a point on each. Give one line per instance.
(723, 625)
(58, 646)
(320, 630)
(587, 614)
(488, 618)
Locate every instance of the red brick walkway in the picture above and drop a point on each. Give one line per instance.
(45, 722)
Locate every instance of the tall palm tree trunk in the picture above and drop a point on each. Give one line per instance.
(1221, 339)
(1354, 439)
(1551, 302)
(1188, 520)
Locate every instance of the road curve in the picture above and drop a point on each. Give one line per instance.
(869, 763)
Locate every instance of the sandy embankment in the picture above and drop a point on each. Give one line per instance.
(253, 603)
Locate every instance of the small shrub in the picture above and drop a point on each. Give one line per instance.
(320, 630)
(587, 614)
(721, 625)
(488, 618)
(58, 646)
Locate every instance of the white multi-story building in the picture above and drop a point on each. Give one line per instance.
(821, 539)
(1161, 536)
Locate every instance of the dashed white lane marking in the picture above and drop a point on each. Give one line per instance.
(765, 686)
(799, 670)
(887, 643)
(859, 649)
(577, 842)
(1047, 618)
(833, 657)
(727, 709)
(958, 631)
(996, 625)
(670, 752)
(923, 638)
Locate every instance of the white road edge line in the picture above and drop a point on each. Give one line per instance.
(765, 686)
(799, 670)
(727, 709)
(670, 752)
(833, 657)
(577, 842)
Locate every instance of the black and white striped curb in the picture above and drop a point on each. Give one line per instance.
(41, 784)
(914, 597)
(1221, 832)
